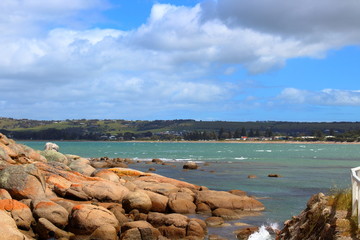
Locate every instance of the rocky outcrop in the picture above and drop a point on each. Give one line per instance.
(320, 220)
(64, 196)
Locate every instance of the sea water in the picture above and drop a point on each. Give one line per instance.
(305, 169)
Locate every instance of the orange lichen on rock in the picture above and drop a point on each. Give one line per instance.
(11, 204)
(44, 204)
(127, 172)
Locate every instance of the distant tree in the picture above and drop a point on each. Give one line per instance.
(268, 133)
(257, 133)
(251, 133)
(237, 133)
(332, 132)
(243, 132)
(221, 133)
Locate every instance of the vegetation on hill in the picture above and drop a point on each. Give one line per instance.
(183, 129)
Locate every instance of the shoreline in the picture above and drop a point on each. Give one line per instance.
(202, 141)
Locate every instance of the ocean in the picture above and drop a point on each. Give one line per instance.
(305, 169)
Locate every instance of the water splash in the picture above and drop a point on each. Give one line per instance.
(264, 232)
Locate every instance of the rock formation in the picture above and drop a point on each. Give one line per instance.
(48, 193)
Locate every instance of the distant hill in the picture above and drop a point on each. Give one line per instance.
(107, 129)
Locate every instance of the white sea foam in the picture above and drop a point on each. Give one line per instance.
(241, 158)
(261, 150)
(263, 233)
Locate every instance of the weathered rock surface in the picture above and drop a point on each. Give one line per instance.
(20, 212)
(220, 199)
(315, 222)
(23, 181)
(9, 229)
(54, 156)
(53, 212)
(137, 200)
(108, 175)
(82, 166)
(86, 218)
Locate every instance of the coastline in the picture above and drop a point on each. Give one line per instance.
(203, 141)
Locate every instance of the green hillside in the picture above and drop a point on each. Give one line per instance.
(188, 129)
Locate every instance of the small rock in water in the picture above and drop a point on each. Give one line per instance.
(152, 169)
(157, 161)
(190, 165)
(274, 175)
(252, 176)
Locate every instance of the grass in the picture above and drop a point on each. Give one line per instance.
(341, 198)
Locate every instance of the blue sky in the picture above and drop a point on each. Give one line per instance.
(233, 60)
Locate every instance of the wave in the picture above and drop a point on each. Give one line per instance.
(261, 150)
(241, 158)
(170, 159)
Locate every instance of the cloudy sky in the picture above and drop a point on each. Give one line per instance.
(232, 60)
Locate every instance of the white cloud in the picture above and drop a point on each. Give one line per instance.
(50, 55)
(325, 97)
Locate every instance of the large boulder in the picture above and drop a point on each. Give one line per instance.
(137, 200)
(158, 202)
(20, 212)
(108, 175)
(53, 212)
(220, 199)
(54, 156)
(195, 229)
(161, 188)
(172, 232)
(227, 214)
(23, 181)
(105, 190)
(86, 218)
(51, 146)
(82, 166)
(182, 202)
(74, 185)
(183, 206)
(8, 228)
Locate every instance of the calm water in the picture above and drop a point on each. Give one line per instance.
(306, 168)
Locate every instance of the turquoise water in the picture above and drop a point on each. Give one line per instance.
(306, 169)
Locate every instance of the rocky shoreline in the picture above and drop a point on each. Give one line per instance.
(46, 194)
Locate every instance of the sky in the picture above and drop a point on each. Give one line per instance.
(232, 60)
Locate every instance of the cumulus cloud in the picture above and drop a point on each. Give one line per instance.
(53, 54)
(325, 97)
